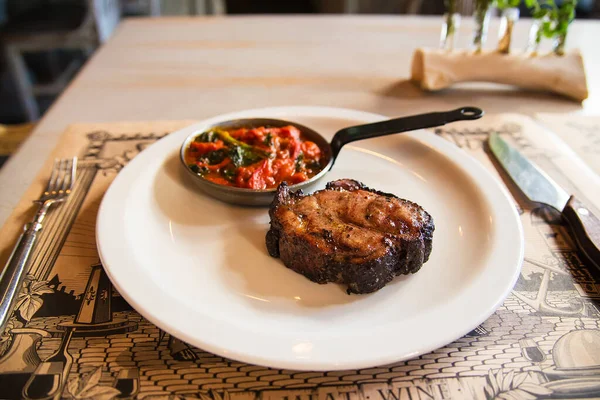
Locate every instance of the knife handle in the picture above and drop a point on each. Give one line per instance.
(585, 227)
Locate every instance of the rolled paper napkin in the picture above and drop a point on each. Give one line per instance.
(435, 69)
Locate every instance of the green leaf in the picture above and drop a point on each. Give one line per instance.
(242, 157)
(269, 139)
(535, 389)
(548, 29)
(300, 162)
(229, 173)
(502, 4)
(198, 170)
(215, 157)
(209, 136)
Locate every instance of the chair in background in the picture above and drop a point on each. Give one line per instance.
(382, 6)
(68, 25)
(189, 7)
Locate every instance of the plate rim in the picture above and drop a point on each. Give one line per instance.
(302, 364)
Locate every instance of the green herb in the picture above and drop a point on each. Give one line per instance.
(242, 156)
(205, 137)
(229, 173)
(269, 139)
(230, 140)
(300, 162)
(313, 165)
(198, 170)
(215, 157)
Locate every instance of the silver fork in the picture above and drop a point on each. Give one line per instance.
(59, 187)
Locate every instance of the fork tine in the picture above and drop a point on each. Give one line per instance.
(73, 173)
(66, 178)
(62, 175)
(53, 176)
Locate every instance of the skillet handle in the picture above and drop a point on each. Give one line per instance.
(403, 124)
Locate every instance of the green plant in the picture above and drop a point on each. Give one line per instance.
(542, 25)
(562, 17)
(481, 14)
(451, 7)
(510, 16)
(504, 4)
(555, 20)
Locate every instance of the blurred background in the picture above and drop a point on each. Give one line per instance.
(45, 42)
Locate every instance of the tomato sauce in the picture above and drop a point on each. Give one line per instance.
(254, 158)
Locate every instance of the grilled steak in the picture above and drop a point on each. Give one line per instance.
(349, 234)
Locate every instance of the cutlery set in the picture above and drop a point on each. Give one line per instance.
(59, 187)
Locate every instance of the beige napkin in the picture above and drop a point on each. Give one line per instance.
(435, 69)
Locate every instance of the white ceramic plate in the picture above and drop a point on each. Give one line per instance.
(199, 269)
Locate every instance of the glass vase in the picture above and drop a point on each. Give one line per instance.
(559, 44)
(449, 29)
(482, 21)
(535, 36)
(509, 18)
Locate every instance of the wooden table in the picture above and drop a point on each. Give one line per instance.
(191, 68)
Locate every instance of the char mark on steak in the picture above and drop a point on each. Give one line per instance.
(349, 234)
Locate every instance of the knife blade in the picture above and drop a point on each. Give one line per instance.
(539, 188)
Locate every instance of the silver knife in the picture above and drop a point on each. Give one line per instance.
(540, 188)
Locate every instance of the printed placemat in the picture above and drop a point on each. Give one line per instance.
(73, 336)
(581, 133)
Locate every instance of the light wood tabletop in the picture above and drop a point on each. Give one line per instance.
(192, 68)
